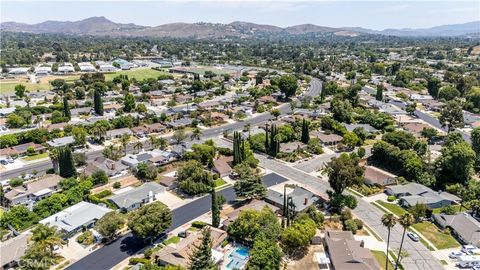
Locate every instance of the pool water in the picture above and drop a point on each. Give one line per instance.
(238, 258)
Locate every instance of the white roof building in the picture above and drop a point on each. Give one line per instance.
(18, 71)
(82, 214)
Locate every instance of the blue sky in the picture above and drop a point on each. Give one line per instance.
(370, 14)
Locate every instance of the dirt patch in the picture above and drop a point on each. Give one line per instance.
(308, 261)
(126, 181)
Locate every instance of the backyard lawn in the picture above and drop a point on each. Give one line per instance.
(440, 239)
(456, 207)
(392, 207)
(139, 74)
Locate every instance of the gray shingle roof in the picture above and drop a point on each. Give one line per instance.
(137, 195)
(301, 198)
(463, 224)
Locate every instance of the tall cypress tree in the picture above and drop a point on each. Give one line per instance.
(215, 209)
(267, 145)
(97, 103)
(239, 154)
(66, 108)
(201, 258)
(66, 164)
(379, 95)
(305, 131)
(274, 143)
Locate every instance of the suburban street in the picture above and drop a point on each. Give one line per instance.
(419, 257)
(127, 245)
(42, 166)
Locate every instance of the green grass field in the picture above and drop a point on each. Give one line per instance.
(8, 86)
(381, 258)
(456, 207)
(392, 207)
(440, 239)
(219, 182)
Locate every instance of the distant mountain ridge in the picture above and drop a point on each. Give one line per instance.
(101, 26)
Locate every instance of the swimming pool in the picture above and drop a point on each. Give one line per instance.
(238, 258)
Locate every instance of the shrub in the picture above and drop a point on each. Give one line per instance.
(15, 182)
(448, 210)
(391, 198)
(351, 225)
(359, 223)
(103, 194)
(134, 261)
(117, 185)
(148, 253)
(86, 238)
(199, 224)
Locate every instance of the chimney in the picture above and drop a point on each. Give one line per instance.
(306, 201)
(113, 166)
(362, 243)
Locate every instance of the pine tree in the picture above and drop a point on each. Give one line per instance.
(97, 103)
(267, 145)
(305, 131)
(65, 161)
(274, 144)
(215, 209)
(239, 154)
(66, 108)
(201, 258)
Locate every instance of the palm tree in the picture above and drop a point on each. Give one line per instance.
(196, 134)
(124, 140)
(153, 141)
(406, 221)
(162, 143)
(38, 121)
(388, 220)
(27, 100)
(46, 237)
(138, 146)
(100, 132)
(54, 155)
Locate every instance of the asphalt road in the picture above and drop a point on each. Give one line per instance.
(419, 257)
(42, 166)
(124, 247)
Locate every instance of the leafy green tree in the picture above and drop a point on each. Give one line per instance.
(342, 110)
(20, 90)
(298, 236)
(265, 254)
(97, 102)
(41, 251)
(150, 220)
(475, 137)
(456, 163)
(288, 85)
(128, 102)
(343, 172)
(251, 223)
(350, 139)
(451, 115)
(201, 257)
(146, 171)
(179, 135)
(19, 217)
(15, 121)
(109, 224)
(448, 92)
(99, 177)
(193, 179)
(249, 183)
(404, 140)
(433, 86)
(79, 135)
(419, 211)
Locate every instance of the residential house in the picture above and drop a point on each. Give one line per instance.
(140, 131)
(133, 160)
(59, 126)
(208, 105)
(156, 128)
(180, 123)
(415, 128)
(252, 205)
(327, 139)
(301, 199)
(16, 247)
(368, 128)
(117, 133)
(378, 177)
(134, 198)
(465, 227)
(60, 142)
(180, 255)
(291, 147)
(110, 167)
(222, 166)
(77, 217)
(413, 193)
(33, 191)
(22, 149)
(81, 111)
(111, 108)
(4, 112)
(348, 254)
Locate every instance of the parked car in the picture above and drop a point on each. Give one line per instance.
(470, 249)
(413, 236)
(10, 160)
(455, 254)
(3, 162)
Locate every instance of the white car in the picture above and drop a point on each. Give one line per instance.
(413, 236)
(470, 249)
(455, 254)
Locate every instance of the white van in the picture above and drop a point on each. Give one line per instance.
(468, 261)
